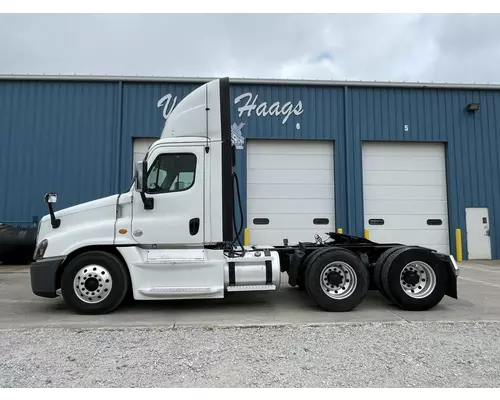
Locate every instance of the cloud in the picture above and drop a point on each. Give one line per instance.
(408, 47)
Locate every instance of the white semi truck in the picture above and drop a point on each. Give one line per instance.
(173, 235)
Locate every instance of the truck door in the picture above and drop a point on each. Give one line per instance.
(175, 182)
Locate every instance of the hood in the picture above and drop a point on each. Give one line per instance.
(82, 225)
(79, 208)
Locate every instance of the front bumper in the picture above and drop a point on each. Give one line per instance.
(44, 277)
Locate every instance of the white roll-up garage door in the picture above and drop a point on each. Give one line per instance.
(290, 190)
(404, 189)
(141, 146)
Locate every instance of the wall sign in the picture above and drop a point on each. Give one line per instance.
(263, 110)
(165, 103)
(248, 103)
(237, 138)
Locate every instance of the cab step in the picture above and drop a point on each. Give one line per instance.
(250, 288)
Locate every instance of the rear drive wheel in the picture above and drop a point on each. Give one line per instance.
(307, 266)
(414, 279)
(377, 270)
(94, 283)
(337, 280)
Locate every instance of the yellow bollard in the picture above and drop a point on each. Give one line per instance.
(246, 237)
(339, 230)
(367, 234)
(458, 239)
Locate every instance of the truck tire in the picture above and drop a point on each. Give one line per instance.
(302, 278)
(94, 283)
(337, 280)
(414, 279)
(377, 270)
(307, 265)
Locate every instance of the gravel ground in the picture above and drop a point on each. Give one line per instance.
(352, 355)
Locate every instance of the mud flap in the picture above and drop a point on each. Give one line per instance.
(452, 287)
(448, 262)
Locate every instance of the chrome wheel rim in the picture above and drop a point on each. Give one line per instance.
(338, 280)
(417, 279)
(92, 284)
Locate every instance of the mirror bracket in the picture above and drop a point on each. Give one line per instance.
(141, 173)
(149, 202)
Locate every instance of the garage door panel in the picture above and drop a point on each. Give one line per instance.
(289, 183)
(319, 221)
(427, 221)
(404, 184)
(403, 163)
(405, 149)
(397, 178)
(297, 147)
(258, 176)
(290, 162)
(140, 148)
(274, 237)
(289, 206)
(420, 207)
(285, 191)
(404, 192)
(420, 238)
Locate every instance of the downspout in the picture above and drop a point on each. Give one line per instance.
(118, 156)
(346, 165)
(119, 137)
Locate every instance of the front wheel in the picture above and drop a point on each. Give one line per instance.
(337, 280)
(94, 283)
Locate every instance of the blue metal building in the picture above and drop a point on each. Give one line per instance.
(75, 136)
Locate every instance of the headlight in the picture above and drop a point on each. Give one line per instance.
(40, 249)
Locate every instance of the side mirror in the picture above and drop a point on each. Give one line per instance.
(50, 198)
(140, 176)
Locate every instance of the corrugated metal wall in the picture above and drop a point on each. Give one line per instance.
(437, 115)
(58, 136)
(76, 138)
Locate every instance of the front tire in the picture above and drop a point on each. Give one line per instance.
(337, 280)
(414, 279)
(94, 283)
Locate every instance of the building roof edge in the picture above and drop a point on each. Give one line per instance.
(260, 81)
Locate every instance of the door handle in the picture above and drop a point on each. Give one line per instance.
(487, 232)
(194, 226)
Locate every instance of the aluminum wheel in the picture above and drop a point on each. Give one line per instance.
(92, 284)
(338, 280)
(417, 279)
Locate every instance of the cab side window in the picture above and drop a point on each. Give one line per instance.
(172, 173)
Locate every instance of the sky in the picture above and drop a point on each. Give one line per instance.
(398, 47)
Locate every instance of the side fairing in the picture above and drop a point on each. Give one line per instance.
(205, 113)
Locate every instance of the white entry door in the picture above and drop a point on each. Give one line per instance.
(478, 233)
(290, 190)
